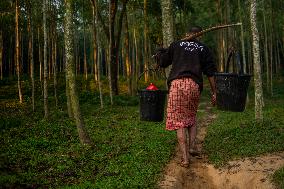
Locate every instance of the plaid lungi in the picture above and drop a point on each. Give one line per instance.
(182, 104)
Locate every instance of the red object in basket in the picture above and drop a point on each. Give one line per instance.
(152, 87)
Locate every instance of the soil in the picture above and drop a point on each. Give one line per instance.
(252, 173)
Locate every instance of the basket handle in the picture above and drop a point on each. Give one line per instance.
(239, 63)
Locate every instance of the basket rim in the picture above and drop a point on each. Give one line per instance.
(159, 90)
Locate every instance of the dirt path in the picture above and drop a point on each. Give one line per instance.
(248, 173)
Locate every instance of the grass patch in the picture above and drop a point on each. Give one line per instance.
(127, 152)
(38, 153)
(237, 135)
(278, 178)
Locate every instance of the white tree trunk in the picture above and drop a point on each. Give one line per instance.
(168, 25)
(256, 64)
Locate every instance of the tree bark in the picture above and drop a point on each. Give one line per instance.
(112, 49)
(96, 46)
(220, 39)
(168, 25)
(127, 56)
(146, 31)
(114, 43)
(70, 70)
(45, 63)
(242, 38)
(1, 55)
(54, 57)
(54, 52)
(18, 53)
(31, 58)
(256, 63)
(85, 54)
(69, 108)
(266, 51)
(39, 55)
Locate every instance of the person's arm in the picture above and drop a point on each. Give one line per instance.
(213, 90)
(209, 69)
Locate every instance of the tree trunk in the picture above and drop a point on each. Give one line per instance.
(18, 52)
(266, 51)
(146, 31)
(45, 63)
(168, 25)
(69, 108)
(54, 55)
(96, 46)
(11, 49)
(220, 39)
(31, 59)
(70, 70)
(99, 76)
(127, 56)
(1, 55)
(112, 48)
(85, 54)
(242, 38)
(39, 55)
(136, 67)
(256, 63)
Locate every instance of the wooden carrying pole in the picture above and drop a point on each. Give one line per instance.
(210, 29)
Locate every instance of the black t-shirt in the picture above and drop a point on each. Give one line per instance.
(188, 59)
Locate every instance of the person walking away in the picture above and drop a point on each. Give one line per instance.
(190, 59)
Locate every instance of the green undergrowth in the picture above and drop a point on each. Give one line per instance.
(236, 135)
(127, 153)
(278, 178)
(39, 153)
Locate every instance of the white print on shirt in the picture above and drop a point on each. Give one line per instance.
(191, 46)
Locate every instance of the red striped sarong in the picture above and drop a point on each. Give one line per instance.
(182, 104)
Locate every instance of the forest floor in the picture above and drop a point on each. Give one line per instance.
(129, 153)
(252, 172)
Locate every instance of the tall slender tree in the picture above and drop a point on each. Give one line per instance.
(70, 74)
(127, 56)
(146, 31)
(168, 24)
(45, 63)
(256, 63)
(1, 55)
(31, 57)
(112, 50)
(18, 68)
(96, 47)
(84, 40)
(114, 41)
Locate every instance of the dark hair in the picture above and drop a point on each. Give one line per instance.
(195, 29)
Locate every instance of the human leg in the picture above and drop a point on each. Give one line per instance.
(192, 136)
(183, 144)
(192, 140)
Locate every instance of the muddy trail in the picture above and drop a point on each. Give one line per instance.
(248, 173)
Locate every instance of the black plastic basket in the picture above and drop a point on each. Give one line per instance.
(232, 88)
(152, 103)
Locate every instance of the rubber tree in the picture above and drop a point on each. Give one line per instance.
(17, 41)
(70, 75)
(45, 63)
(168, 24)
(256, 63)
